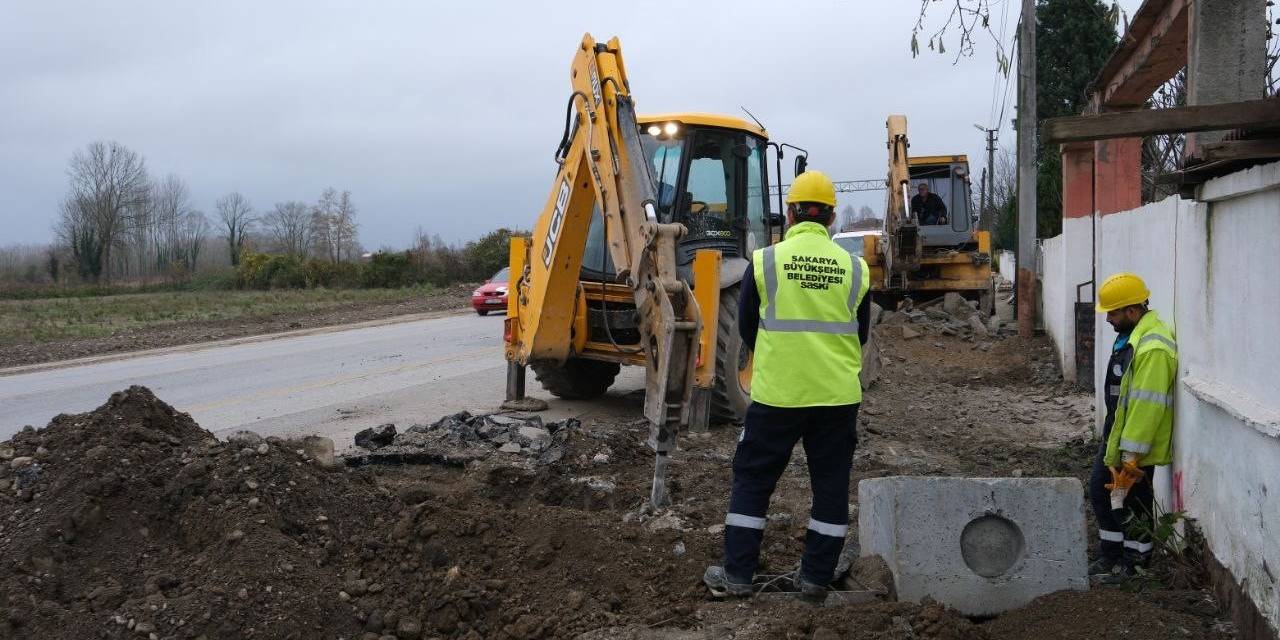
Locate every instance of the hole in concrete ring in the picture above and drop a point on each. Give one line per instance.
(991, 545)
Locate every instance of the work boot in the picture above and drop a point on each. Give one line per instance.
(810, 592)
(1103, 566)
(722, 586)
(1121, 574)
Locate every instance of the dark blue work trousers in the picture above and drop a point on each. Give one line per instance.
(769, 435)
(1123, 539)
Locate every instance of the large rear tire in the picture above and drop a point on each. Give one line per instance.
(732, 393)
(576, 378)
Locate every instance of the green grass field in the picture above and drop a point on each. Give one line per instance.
(44, 320)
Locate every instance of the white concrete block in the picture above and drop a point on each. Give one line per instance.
(980, 545)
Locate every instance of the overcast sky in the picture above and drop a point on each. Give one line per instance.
(446, 115)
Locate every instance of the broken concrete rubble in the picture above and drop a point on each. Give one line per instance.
(950, 315)
(374, 437)
(462, 438)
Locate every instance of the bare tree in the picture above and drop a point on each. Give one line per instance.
(189, 235)
(106, 181)
(1273, 49)
(237, 217)
(289, 227)
(53, 264)
(170, 209)
(345, 220)
(865, 213)
(24, 263)
(1162, 154)
(846, 219)
(333, 225)
(966, 17)
(323, 228)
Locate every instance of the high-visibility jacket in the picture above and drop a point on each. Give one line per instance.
(807, 352)
(1143, 421)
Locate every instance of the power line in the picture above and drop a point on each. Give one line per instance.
(1017, 46)
(994, 121)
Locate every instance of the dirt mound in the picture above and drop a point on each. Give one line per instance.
(139, 522)
(1080, 615)
(133, 522)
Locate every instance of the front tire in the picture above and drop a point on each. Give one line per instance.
(732, 393)
(576, 378)
(482, 312)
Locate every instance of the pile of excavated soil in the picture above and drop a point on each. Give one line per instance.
(133, 522)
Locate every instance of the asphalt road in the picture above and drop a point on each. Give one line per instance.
(330, 383)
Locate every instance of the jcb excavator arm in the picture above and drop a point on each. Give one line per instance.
(601, 165)
(902, 243)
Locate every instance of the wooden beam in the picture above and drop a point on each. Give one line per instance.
(1250, 114)
(1241, 149)
(1152, 51)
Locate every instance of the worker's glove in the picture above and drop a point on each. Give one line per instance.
(1123, 478)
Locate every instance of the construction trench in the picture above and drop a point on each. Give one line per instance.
(131, 521)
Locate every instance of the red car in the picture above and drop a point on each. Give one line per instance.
(492, 295)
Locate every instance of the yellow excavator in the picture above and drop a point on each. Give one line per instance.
(928, 258)
(637, 256)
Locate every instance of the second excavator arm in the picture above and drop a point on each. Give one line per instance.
(902, 246)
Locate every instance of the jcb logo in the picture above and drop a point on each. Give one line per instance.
(557, 221)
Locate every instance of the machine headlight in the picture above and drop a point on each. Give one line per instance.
(654, 130)
(670, 128)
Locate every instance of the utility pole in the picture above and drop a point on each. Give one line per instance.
(985, 214)
(1026, 279)
(988, 184)
(991, 181)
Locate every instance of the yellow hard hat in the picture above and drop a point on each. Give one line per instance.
(1121, 290)
(812, 186)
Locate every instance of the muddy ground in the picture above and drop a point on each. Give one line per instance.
(454, 297)
(133, 522)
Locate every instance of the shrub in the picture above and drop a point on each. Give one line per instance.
(321, 273)
(220, 279)
(389, 269)
(486, 256)
(262, 271)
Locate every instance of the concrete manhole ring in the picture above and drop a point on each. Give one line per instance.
(990, 545)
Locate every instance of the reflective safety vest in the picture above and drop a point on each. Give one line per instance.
(807, 351)
(1143, 420)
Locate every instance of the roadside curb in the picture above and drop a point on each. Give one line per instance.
(228, 342)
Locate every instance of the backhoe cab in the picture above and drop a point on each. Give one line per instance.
(711, 178)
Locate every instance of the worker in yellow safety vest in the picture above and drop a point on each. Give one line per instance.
(805, 313)
(1137, 432)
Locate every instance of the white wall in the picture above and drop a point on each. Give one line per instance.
(1213, 267)
(1007, 265)
(1065, 263)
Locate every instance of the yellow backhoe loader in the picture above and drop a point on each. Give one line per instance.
(637, 255)
(928, 258)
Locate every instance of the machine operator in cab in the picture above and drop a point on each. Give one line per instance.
(927, 207)
(806, 313)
